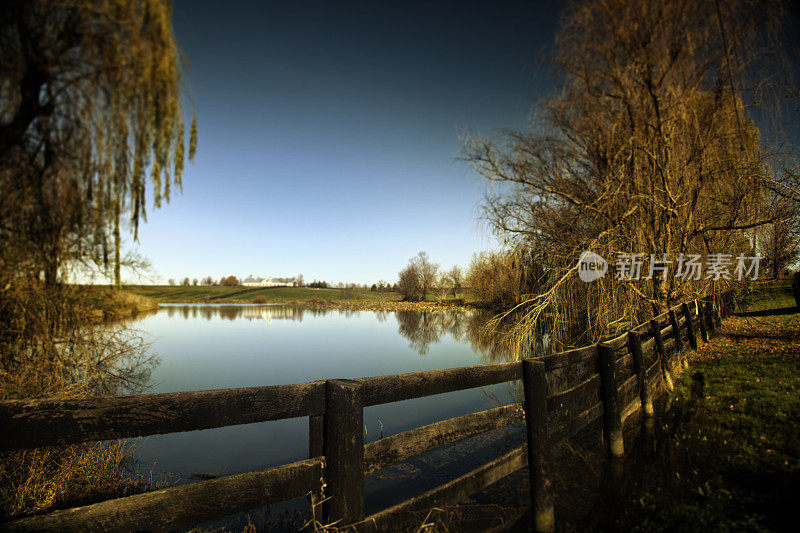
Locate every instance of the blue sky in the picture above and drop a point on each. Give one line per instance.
(329, 133)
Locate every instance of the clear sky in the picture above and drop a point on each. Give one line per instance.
(329, 133)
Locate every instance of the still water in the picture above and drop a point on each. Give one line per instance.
(199, 347)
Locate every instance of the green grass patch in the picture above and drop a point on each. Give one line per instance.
(240, 294)
(771, 296)
(730, 460)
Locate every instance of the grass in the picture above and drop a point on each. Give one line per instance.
(109, 305)
(66, 342)
(45, 479)
(218, 294)
(729, 459)
(330, 297)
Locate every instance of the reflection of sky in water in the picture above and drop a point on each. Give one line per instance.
(224, 346)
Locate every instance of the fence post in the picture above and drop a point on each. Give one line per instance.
(535, 385)
(635, 347)
(709, 311)
(612, 415)
(796, 288)
(659, 342)
(689, 326)
(315, 449)
(676, 331)
(343, 441)
(315, 432)
(726, 302)
(701, 320)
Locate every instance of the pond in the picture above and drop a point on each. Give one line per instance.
(199, 347)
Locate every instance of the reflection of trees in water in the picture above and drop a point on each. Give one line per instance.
(455, 323)
(258, 312)
(232, 312)
(423, 328)
(122, 362)
(227, 313)
(102, 360)
(497, 343)
(492, 345)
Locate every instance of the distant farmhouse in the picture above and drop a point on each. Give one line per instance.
(269, 281)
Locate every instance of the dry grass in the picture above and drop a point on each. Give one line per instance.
(45, 479)
(109, 305)
(57, 342)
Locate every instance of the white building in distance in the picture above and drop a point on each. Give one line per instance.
(269, 281)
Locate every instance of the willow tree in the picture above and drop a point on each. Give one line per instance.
(651, 146)
(91, 117)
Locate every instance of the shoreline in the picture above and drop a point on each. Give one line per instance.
(360, 299)
(348, 305)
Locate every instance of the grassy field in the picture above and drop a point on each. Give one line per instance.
(293, 295)
(730, 459)
(191, 294)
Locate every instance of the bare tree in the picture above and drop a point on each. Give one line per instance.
(428, 271)
(409, 284)
(456, 279)
(649, 148)
(781, 245)
(418, 278)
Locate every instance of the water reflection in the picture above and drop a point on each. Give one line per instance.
(205, 347)
(254, 312)
(109, 360)
(422, 329)
(497, 343)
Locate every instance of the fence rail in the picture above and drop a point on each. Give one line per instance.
(34, 423)
(564, 393)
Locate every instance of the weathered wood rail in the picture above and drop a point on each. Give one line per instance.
(564, 394)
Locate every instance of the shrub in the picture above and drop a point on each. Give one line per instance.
(52, 345)
(501, 279)
(409, 285)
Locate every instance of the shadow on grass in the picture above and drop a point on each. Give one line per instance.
(236, 293)
(681, 478)
(739, 337)
(770, 312)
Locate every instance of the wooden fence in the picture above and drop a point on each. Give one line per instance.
(564, 393)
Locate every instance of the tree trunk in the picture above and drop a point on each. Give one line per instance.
(117, 280)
